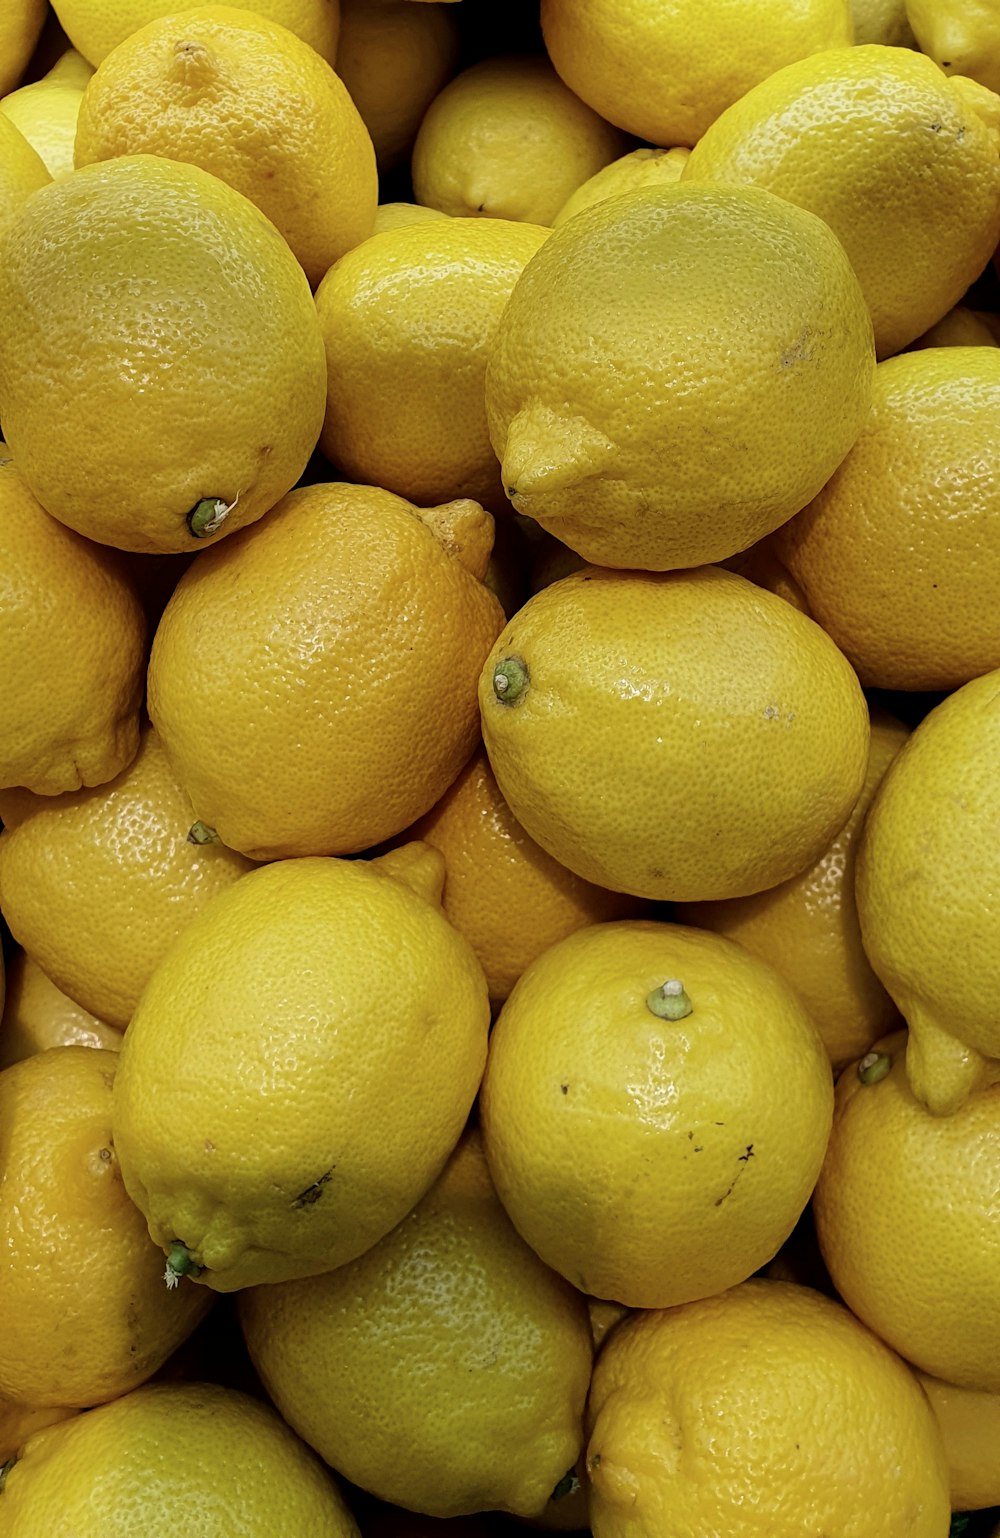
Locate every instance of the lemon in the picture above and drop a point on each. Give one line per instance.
(508, 140)
(446, 1368)
(391, 216)
(120, 427)
(19, 1422)
(81, 1283)
(737, 322)
(94, 27)
(682, 735)
(46, 112)
(97, 882)
(960, 327)
(664, 70)
(38, 1015)
(21, 22)
(394, 57)
(970, 1425)
(644, 167)
(766, 1412)
(962, 36)
(247, 100)
(882, 21)
(226, 1460)
(22, 170)
(72, 650)
(901, 163)
(283, 1102)
(407, 321)
(923, 1276)
(339, 705)
(929, 835)
(629, 1114)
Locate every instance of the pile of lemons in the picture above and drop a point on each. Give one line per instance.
(500, 768)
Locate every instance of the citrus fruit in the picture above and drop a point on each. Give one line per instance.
(741, 761)
(81, 1283)
(22, 170)
(394, 58)
(284, 1100)
(882, 21)
(390, 216)
(46, 111)
(21, 21)
(508, 140)
(119, 427)
(738, 323)
(960, 327)
(644, 167)
(37, 1015)
(446, 1367)
(96, 26)
(961, 36)
(247, 100)
(339, 705)
(922, 1273)
(970, 1425)
(766, 1412)
(629, 1114)
(901, 162)
(19, 1422)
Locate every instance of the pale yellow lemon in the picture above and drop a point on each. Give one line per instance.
(970, 1425)
(95, 27)
(882, 21)
(38, 1015)
(394, 58)
(644, 167)
(22, 170)
(46, 111)
(960, 327)
(962, 36)
(390, 216)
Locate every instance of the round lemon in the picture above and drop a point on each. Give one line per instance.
(120, 425)
(906, 1215)
(394, 58)
(38, 1015)
(19, 1422)
(970, 1425)
(247, 100)
(72, 650)
(644, 167)
(508, 140)
(95, 27)
(767, 1412)
(680, 735)
(446, 1368)
(961, 36)
(902, 163)
(407, 321)
(225, 1460)
(22, 170)
(664, 70)
(737, 323)
(629, 1114)
(882, 21)
(284, 1101)
(21, 22)
(929, 835)
(391, 216)
(960, 327)
(46, 112)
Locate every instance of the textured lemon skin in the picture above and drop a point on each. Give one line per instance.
(407, 321)
(96, 883)
(253, 104)
(37, 1015)
(926, 885)
(94, 27)
(226, 1460)
(807, 928)
(81, 1284)
(111, 396)
(19, 1422)
(335, 726)
(645, 167)
(282, 1105)
(447, 1366)
(665, 70)
(394, 58)
(20, 23)
(900, 162)
(962, 36)
(678, 370)
(766, 1412)
(683, 735)
(970, 1425)
(72, 651)
(883, 21)
(647, 1160)
(896, 556)
(22, 170)
(46, 111)
(926, 1276)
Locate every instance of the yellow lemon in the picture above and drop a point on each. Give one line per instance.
(645, 167)
(970, 1425)
(508, 140)
(96, 883)
(447, 1367)
(19, 1422)
(962, 36)
(38, 1015)
(72, 650)
(394, 58)
(679, 735)
(225, 1459)
(46, 114)
(282, 1101)
(767, 1412)
(960, 327)
(246, 99)
(902, 164)
(929, 836)
(339, 705)
(21, 22)
(807, 928)
(630, 1117)
(81, 1283)
(407, 321)
(392, 216)
(118, 424)
(22, 170)
(906, 1214)
(94, 27)
(664, 70)
(882, 21)
(736, 321)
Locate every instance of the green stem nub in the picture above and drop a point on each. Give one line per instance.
(510, 679)
(669, 1001)
(5, 1470)
(200, 833)
(874, 1066)
(208, 516)
(179, 1263)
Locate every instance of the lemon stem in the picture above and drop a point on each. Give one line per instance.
(874, 1066)
(510, 679)
(669, 1001)
(200, 833)
(179, 1263)
(208, 516)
